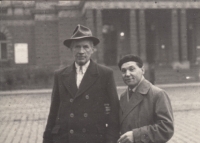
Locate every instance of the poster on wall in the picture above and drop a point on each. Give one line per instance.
(21, 53)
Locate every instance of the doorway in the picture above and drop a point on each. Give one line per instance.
(116, 34)
(158, 36)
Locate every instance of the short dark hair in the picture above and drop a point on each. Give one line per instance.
(128, 58)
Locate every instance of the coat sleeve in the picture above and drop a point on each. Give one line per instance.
(113, 120)
(47, 137)
(163, 128)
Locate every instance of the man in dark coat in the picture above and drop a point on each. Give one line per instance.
(145, 110)
(84, 105)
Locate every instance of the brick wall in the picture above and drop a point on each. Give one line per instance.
(46, 43)
(23, 34)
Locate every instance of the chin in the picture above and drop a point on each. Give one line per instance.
(131, 84)
(81, 62)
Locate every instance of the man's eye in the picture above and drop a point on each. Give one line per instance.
(131, 69)
(123, 70)
(85, 47)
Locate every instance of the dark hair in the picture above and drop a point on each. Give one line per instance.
(128, 58)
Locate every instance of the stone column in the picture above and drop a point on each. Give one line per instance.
(183, 38)
(99, 34)
(142, 35)
(90, 24)
(133, 33)
(175, 38)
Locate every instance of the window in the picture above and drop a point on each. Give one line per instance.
(21, 53)
(3, 47)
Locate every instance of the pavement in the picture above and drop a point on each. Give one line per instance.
(23, 113)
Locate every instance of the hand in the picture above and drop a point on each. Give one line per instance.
(126, 138)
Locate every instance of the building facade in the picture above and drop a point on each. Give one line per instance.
(165, 33)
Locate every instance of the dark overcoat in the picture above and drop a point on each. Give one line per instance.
(79, 115)
(148, 114)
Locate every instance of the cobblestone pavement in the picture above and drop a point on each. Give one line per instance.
(23, 116)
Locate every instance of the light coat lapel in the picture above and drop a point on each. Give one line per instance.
(89, 78)
(69, 79)
(127, 107)
(134, 101)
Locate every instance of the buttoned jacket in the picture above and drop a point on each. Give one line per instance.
(148, 114)
(79, 115)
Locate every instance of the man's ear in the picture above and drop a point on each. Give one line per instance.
(143, 70)
(94, 50)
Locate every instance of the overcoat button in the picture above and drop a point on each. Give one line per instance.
(71, 100)
(85, 115)
(83, 130)
(71, 115)
(71, 131)
(87, 97)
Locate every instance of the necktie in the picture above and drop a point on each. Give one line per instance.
(81, 70)
(130, 93)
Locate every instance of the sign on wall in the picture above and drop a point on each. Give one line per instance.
(21, 53)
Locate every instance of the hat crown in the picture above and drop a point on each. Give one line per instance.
(81, 31)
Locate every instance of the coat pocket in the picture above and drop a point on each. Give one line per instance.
(55, 129)
(58, 135)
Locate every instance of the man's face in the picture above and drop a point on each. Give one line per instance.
(82, 50)
(131, 73)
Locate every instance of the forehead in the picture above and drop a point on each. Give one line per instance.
(129, 64)
(81, 42)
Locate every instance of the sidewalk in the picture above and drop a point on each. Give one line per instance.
(23, 113)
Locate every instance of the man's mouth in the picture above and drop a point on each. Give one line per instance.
(129, 79)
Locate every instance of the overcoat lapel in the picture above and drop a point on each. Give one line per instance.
(127, 107)
(69, 79)
(138, 96)
(89, 78)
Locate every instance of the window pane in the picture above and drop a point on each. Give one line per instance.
(3, 51)
(21, 53)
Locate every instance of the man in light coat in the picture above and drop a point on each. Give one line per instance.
(82, 94)
(145, 110)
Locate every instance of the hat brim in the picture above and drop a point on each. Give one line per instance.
(68, 42)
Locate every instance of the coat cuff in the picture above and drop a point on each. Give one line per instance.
(140, 135)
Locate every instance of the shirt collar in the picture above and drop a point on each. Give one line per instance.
(84, 67)
(134, 89)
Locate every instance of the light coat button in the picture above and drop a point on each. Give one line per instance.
(87, 97)
(71, 131)
(85, 115)
(71, 100)
(83, 130)
(71, 115)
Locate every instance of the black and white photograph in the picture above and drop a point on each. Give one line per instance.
(100, 71)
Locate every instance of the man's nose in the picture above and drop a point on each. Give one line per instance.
(81, 50)
(127, 73)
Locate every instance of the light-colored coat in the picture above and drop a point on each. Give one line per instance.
(148, 114)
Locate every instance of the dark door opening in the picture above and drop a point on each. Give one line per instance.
(115, 34)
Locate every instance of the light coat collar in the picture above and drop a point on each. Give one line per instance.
(126, 106)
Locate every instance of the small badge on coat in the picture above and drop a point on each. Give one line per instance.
(107, 108)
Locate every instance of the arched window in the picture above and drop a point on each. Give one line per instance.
(3, 47)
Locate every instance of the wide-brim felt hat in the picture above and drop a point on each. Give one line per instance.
(81, 32)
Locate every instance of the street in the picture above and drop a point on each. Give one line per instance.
(23, 116)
